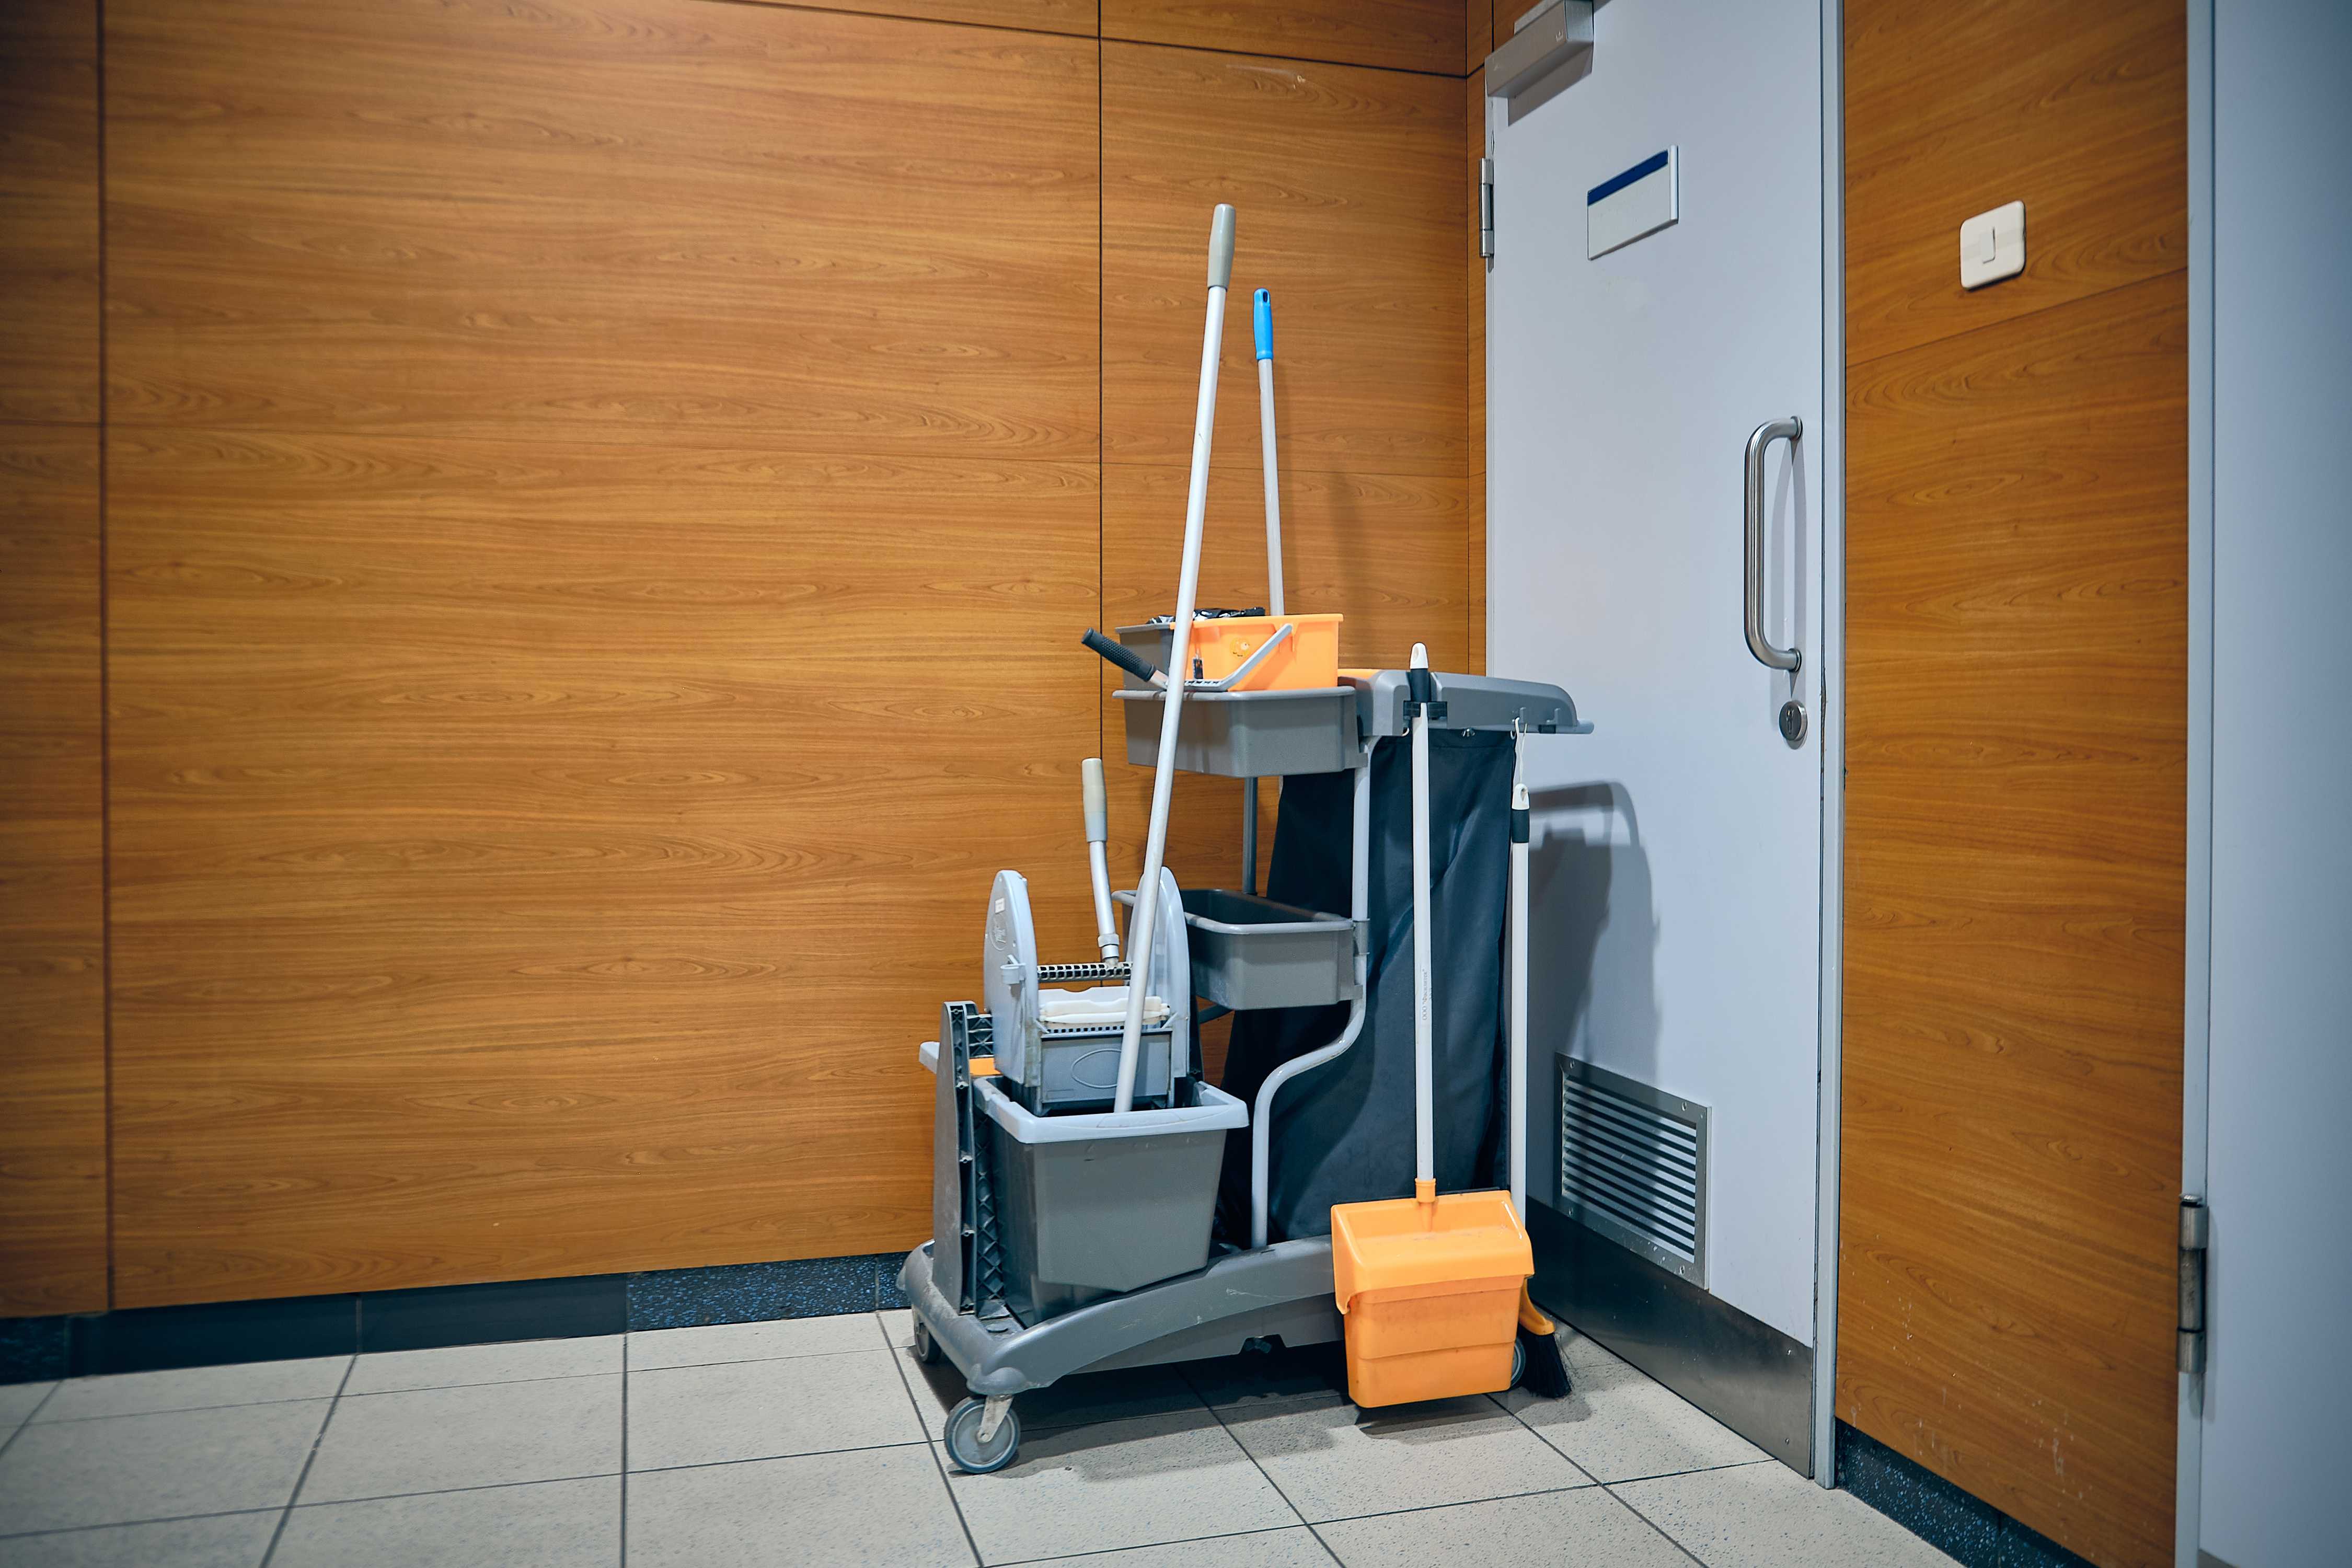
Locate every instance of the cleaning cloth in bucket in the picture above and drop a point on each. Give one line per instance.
(1100, 1005)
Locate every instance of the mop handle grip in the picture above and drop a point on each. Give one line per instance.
(1090, 780)
(1221, 248)
(1127, 659)
(1262, 321)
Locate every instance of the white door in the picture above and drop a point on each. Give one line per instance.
(1678, 858)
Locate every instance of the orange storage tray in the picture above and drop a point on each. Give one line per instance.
(1307, 659)
(1430, 1294)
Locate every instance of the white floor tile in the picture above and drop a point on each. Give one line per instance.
(1124, 1483)
(380, 1444)
(223, 1541)
(1582, 1528)
(59, 1475)
(1767, 1516)
(1293, 1548)
(455, 1366)
(1618, 1426)
(755, 1341)
(548, 1524)
(1334, 1461)
(1588, 1354)
(194, 1388)
(878, 1507)
(19, 1400)
(767, 1409)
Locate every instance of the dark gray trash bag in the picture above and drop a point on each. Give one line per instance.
(1342, 1132)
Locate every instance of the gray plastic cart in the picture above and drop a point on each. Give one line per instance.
(1036, 1228)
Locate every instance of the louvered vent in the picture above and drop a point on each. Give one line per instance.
(1633, 1165)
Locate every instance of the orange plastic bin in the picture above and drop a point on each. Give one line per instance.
(1429, 1290)
(1309, 659)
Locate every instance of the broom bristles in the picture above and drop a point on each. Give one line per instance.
(1545, 1375)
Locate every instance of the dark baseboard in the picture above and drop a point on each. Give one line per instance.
(1959, 1524)
(1745, 1374)
(150, 1339)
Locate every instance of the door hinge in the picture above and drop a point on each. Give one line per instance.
(1487, 207)
(2196, 1225)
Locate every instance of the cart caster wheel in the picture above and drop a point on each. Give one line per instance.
(1518, 1361)
(964, 1446)
(927, 1348)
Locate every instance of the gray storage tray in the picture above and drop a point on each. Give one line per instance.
(1247, 734)
(1249, 952)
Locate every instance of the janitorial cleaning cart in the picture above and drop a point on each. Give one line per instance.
(1080, 1151)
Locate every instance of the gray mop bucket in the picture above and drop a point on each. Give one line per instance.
(1088, 1206)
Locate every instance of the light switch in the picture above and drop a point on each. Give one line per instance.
(1992, 246)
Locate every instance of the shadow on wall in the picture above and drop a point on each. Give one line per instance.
(1593, 940)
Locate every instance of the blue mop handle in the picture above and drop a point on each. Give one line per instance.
(1262, 318)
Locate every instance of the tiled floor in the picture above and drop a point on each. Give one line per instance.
(814, 1442)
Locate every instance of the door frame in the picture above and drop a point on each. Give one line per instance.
(1830, 714)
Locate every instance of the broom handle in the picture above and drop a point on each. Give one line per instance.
(1425, 1160)
(1140, 947)
(1518, 979)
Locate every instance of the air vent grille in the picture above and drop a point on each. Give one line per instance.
(1633, 1165)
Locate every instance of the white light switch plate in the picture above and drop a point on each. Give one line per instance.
(1992, 246)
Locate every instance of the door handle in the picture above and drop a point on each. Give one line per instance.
(1791, 429)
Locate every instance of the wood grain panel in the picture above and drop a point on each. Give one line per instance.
(537, 859)
(1350, 198)
(1404, 34)
(1474, 456)
(1954, 109)
(49, 210)
(609, 218)
(1480, 41)
(1079, 18)
(2016, 607)
(52, 895)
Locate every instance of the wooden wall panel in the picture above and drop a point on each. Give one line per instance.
(1954, 109)
(1402, 35)
(1474, 456)
(539, 438)
(829, 233)
(1480, 40)
(543, 445)
(1078, 17)
(535, 860)
(52, 988)
(1351, 207)
(2017, 679)
(49, 210)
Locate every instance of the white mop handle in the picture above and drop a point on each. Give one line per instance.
(1097, 805)
(1518, 979)
(1139, 945)
(1262, 322)
(1425, 1072)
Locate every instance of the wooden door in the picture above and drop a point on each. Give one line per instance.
(2017, 648)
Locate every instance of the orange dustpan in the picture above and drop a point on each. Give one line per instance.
(1429, 1286)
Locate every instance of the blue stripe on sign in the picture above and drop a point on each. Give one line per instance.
(1642, 169)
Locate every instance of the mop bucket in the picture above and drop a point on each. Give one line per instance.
(1430, 1292)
